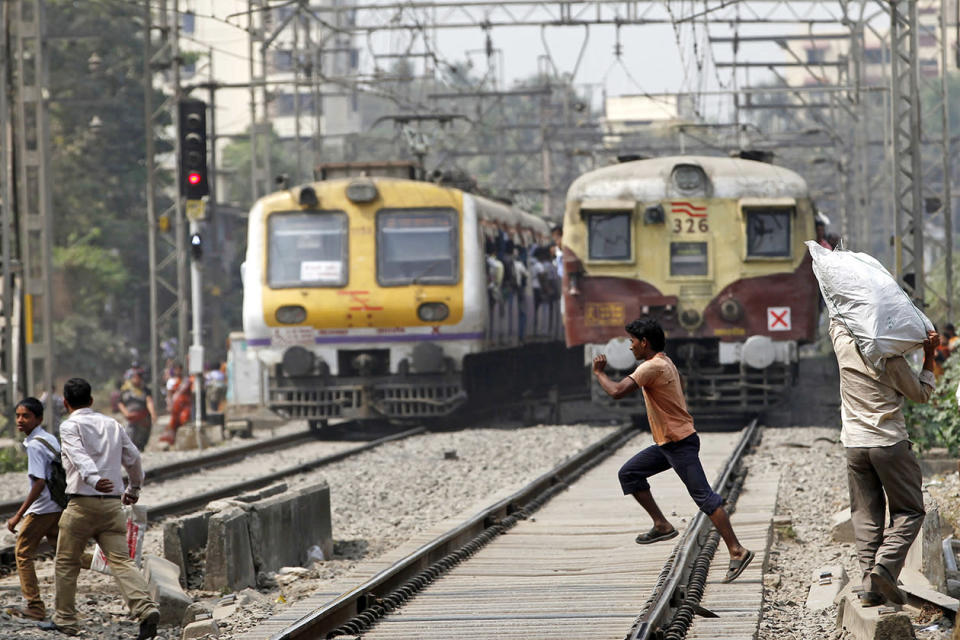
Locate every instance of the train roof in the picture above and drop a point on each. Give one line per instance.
(648, 180)
(501, 213)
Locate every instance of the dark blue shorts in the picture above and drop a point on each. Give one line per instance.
(684, 457)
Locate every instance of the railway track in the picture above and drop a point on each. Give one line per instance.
(356, 611)
(195, 500)
(206, 461)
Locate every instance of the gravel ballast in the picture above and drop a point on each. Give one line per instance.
(378, 500)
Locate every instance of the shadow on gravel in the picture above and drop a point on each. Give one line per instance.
(349, 549)
(356, 431)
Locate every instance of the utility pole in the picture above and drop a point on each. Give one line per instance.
(34, 207)
(9, 358)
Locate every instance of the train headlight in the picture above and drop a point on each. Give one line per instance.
(689, 177)
(731, 310)
(362, 191)
(297, 361)
(433, 311)
(690, 318)
(291, 314)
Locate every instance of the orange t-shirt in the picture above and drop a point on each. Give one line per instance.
(659, 380)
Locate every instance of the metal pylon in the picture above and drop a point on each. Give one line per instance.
(166, 247)
(908, 238)
(34, 210)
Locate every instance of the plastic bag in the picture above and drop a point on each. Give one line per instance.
(862, 294)
(136, 529)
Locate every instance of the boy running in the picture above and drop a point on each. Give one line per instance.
(39, 514)
(677, 443)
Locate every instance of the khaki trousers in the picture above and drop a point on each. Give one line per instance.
(102, 520)
(33, 529)
(871, 473)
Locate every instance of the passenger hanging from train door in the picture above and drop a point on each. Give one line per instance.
(676, 443)
(522, 278)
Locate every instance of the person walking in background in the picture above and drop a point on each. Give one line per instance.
(136, 405)
(96, 450)
(676, 445)
(882, 470)
(38, 514)
(179, 401)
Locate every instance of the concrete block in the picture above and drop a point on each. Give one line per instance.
(866, 623)
(925, 557)
(306, 511)
(926, 594)
(201, 629)
(825, 583)
(163, 579)
(196, 611)
(315, 522)
(261, 494)
(183, 536)
(229, 563)
(841, 526)
(271, 522)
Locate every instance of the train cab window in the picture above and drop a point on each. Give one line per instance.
(417, 246)
(608, 234)
(768, 232)
(307, 249)
(689, 259)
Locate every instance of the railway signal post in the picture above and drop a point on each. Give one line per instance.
(192, 168)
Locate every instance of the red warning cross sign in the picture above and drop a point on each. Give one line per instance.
(778, 319)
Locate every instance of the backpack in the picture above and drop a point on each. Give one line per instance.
(57, 482)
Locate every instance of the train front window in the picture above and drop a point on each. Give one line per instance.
(417, 246)
(768, 232)
(608, 234)
(307, 249)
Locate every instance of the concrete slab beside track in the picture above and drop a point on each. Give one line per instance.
(572, 570)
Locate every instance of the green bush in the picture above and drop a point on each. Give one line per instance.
(937, 423)
(12, 459)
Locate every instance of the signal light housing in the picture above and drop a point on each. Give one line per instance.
(193, 149)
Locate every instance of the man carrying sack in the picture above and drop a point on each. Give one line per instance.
(870, 314)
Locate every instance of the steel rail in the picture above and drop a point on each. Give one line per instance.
(664, 600)
(460, 541)
(193, 502)
(214, 459)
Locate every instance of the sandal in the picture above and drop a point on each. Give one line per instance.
(737, 567)
(29, 614)
(656, 536)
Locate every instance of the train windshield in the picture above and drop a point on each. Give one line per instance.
(417, 246)
(307, 249)
(768, 232)
(608, 234)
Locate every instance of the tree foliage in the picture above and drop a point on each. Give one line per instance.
(937, 422)
(98, 183)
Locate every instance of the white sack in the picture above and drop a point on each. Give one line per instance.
(863, 295)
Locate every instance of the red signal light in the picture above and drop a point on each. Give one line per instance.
(193, 177)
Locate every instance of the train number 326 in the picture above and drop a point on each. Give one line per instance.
(692, 226)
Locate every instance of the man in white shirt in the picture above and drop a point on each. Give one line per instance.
(880, 460)
(95, 451)
(38, 514)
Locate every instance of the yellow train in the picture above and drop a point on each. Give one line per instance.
(713, 248)
(376, 296)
